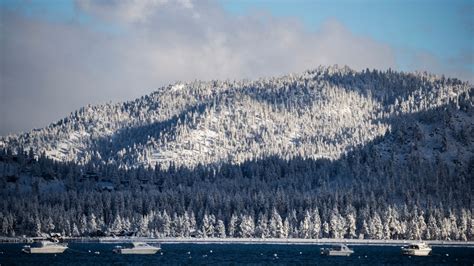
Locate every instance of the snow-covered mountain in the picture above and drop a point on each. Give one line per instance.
(322, 113)
(330, 152)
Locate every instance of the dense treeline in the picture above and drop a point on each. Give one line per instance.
(242, 201)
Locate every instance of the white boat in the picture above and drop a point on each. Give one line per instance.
(339, 250)
(137, 248)
(45, 247)
(417, 249)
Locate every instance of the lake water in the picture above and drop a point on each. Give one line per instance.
(231, 254)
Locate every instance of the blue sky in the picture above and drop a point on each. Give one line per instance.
(441, 27)
(60, 55)
(444, 28)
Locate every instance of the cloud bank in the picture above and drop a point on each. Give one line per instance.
(50, 68)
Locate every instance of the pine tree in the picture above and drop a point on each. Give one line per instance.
(207, 226)
(186, 225)
(166, 224)
(192, 223)
(470, 230)
(261, 229)
(49, 226)
(433, 231)
(92, 224)
(446, 229)
(337, 224)
(305, 226)
(116, 226)
(351, 225)
(75, 230)
(326, 229)
(376, 226)
(233, 226)
(37, 227)
(454, 226)
(247, 226)
(422, 225)
(82, 225)
(142, 229)
(286, 228)
(276, 225)
(463, 225)
(5, 225)
(220, 229)
(315, 224)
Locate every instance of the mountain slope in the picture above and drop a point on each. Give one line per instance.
(323, 113)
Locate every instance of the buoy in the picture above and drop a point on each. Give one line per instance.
(161, 253)
(447, 255)
(261, 254)
(189, 252)
(366, 256)
(275, 255)
(89, 251)
(210, 251)
(301, 252)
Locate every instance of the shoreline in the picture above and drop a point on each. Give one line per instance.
(272, 241)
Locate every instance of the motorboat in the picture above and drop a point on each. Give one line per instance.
(338, 250)
(137, 248)
(417, 249)
(45, 247)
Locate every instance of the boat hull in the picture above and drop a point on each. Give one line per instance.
(419, 252)
(337, 253)
(148, 251)
(48, 250)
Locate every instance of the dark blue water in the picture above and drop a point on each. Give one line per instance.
(233, 254)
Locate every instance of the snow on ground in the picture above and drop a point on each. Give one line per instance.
(288, 241)
(177, 87)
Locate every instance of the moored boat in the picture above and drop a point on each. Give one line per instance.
(417, 249)
(137, 248)
(339, 250)
(45, 247)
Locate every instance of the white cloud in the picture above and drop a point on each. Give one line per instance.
(130, 11)
(127, 11)
(51, 68)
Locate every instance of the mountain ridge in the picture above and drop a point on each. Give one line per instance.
(321, 113)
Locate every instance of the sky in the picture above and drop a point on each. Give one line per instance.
(59, 55)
